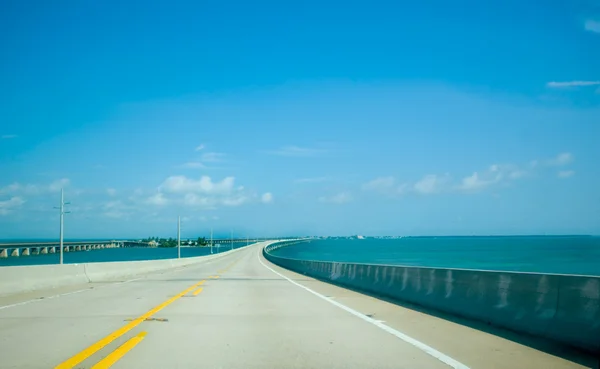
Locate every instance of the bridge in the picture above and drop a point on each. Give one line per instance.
(240, 310)
(17, 249)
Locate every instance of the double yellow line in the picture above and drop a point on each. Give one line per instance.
(122, 350)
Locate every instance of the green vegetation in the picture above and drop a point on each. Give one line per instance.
(171, 242)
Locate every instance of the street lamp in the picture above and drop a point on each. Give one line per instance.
(62, 215)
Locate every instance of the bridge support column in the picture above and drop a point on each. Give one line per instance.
(44, 251)
(15, 252)
(65, 249)
(52, 250)
(4, 253)
(25, 252)
(77, 248)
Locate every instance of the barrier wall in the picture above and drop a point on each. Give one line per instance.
(563, 308)
(19, 279)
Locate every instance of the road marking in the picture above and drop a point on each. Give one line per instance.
(114, 356)
(197, 291)
(418, 344)
(214, 277)
(174, 270)
(84, 354)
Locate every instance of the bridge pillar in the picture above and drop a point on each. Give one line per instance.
(44, 251)
(15, 252)
(4, 253)
(65, 248)
(25, 252)
(77, 248)
(52, 250)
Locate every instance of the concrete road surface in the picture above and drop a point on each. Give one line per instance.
(240, 311)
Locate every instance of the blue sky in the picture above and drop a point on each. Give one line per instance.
(278, 118)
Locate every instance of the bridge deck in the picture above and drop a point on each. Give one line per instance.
(254, 315)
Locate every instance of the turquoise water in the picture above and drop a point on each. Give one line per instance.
(118, 254)
(565, 255)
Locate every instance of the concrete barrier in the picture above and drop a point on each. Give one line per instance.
(563, 308)
(19, 279)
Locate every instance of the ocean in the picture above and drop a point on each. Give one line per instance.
(542, 254)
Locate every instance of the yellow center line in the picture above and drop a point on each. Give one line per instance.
(114, 356)
(214, 277)
(197, 291)
(84, 354)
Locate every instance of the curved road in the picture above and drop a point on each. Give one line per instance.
(240, 311)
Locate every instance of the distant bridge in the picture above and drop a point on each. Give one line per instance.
(41, 248)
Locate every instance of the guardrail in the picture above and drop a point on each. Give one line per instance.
(563, 308)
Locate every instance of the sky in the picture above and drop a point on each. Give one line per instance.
(271, 118)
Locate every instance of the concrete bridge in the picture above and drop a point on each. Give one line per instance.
(241, 310)
(41, 248)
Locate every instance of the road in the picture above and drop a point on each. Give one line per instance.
(240, 311)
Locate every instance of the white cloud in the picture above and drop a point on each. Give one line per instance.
(194, 200)
(58, 184)
(572, 84)
(430, 184)
(35, 189)
(235, 200)
(296, 151)
(9, 205)
(566, 173)
(182, 184)
(267, 198)
(193, 165)
(474, 182)
(116, 209)
(592, 26)
(380, 184)
(495, 174)
(561, 159)
(212, 157)
(157, 199)
(199, 147)
(6, 137)
(386, 186)
(111, 191)
(340, 198)
(516, 174)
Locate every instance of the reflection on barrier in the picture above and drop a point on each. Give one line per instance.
(564, 308)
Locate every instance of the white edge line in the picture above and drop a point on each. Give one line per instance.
(418, 344)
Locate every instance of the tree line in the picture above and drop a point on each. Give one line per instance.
(171, 242)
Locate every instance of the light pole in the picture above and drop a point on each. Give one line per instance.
(231, 239)
(211, 242)
(178, 237)
(62, 216)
